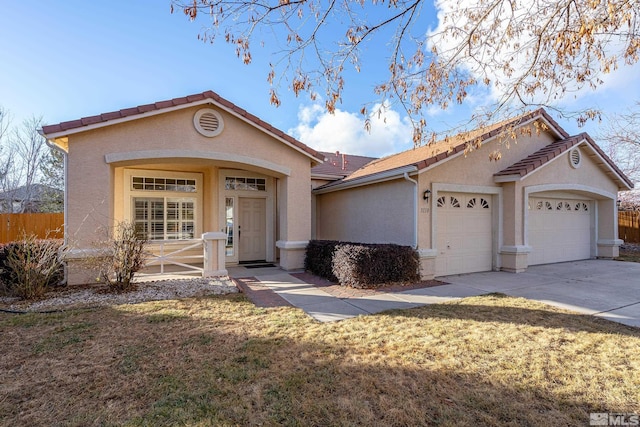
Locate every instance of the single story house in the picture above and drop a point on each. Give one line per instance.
(184, 168)
(200, 166)
(551, 197)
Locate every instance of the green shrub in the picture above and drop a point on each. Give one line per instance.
(30, 267)
(362, 265)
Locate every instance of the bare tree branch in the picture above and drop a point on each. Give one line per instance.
(523, 53)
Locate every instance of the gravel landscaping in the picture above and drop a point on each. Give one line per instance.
(630, 247)
(98, 296)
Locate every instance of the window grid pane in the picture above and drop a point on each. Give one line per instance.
(247, 184)
(163, 184)
(165, 218)
(229, 225)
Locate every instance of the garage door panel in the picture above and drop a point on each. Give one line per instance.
(477, 223)
(559, 230)
(464, 235)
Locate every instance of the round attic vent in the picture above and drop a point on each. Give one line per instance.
(575, 158)
(208, 122)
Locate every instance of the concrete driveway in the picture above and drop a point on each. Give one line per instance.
(603, 288)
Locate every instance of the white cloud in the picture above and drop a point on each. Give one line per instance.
(345, 132)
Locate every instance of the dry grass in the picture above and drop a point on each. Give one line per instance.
(490, 360)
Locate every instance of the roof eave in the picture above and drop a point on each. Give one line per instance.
(315, 158)
(507, 178)
(624, 184)
(389, 175)
(621, 178)
(540, 114)
(326, 176)
(110, 122)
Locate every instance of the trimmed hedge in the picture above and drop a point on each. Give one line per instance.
(362, 265)
(319, 258)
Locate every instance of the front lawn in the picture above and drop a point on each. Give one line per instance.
(490, 360)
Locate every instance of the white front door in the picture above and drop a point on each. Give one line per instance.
(464, 233)
(559, 230)
(252, 229)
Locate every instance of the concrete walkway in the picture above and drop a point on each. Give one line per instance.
(608, 289)
(325, 307)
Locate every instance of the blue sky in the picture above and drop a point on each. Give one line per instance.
(69, 59)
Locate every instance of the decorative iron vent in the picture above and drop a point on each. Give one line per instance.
(575, 158)
(208, 122)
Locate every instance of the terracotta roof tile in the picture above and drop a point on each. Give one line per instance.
(160, 105)
(340, 164)
(110, 116)
(71, 124)
(147, 108)
(90, 120)
(163, 104)
(125, 112)
(195, 97)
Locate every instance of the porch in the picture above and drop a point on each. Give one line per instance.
(205, 257)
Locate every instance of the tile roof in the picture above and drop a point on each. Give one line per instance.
(545, 154)
(425, 156)
(536, 160)
(74, 126)
(339, 164)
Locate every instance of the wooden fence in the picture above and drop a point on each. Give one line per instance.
(629, 226)
(13, 226)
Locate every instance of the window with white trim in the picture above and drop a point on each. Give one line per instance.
(164, 205)
(165, 218)
(148, 183)
(245, 183)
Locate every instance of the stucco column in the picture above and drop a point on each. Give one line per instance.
(294, 210)
(608, 243)
(214, 258)
(514, 252)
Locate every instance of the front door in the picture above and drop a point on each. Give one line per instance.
(252, 229)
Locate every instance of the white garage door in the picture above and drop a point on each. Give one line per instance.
(559, 230)
(464, 233)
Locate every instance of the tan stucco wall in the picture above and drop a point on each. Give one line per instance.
(369, 213)
(378, 213)
(95, 197)
(475, 169)
(560, 173)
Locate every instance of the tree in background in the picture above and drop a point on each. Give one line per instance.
(621, 137)
(522, 53)
(52, 170)
(30, 172)
(6, 157)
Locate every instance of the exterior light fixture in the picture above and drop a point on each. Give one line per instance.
(426, 194)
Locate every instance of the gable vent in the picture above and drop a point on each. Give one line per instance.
(575, 158)
(208, 122)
